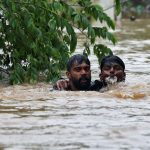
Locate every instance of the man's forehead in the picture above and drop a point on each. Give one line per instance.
(112, 64)
(76, 63)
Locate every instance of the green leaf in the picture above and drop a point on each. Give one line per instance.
(84, 22)
(100, 51)
(86, 50)
(118, 6)
(73, 43)
(52, 24)
(111, 37)
(91, 34)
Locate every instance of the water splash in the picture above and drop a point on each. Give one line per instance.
(111, 80)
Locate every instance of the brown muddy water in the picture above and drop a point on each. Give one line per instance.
(33, 117)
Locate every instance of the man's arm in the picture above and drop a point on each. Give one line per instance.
(62, 84)
(97, 85)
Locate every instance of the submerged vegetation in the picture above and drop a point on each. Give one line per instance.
(37, 37)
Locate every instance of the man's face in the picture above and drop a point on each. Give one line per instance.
(112, 71)
(80, 76)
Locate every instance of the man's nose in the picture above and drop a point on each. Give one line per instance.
(83, 71)
(112, 70)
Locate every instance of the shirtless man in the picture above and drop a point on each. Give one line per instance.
(78, 74)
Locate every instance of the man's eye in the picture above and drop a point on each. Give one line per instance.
(87, 68)
(77, 69)
(118, 68)
(106, 68)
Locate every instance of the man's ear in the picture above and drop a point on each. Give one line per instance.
(100, 76)
(124, 75)
(68, 74)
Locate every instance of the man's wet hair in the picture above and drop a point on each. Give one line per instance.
(79, 59)
(112, 59)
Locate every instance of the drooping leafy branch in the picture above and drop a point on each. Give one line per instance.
(37, 37)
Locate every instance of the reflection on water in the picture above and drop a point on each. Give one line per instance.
(32, 117)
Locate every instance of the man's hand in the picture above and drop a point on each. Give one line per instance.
(61, 85)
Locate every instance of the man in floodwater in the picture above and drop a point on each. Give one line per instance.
(78, 74)
(112, 71)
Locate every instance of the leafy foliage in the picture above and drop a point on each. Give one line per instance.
(37, 37)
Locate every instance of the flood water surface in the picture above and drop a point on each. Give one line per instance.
(33, 117)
